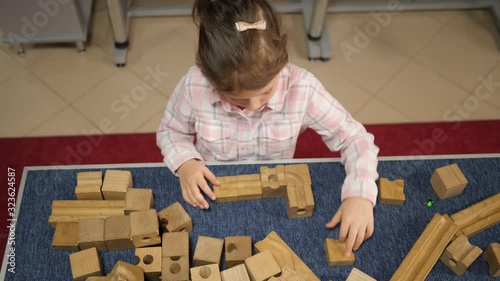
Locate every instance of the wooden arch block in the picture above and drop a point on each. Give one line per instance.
(460, 254)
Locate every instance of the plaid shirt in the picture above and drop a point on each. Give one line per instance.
(224, 132)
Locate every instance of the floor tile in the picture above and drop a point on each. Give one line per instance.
(376, 111)
(72, 74)
(121, 104)
(347, 93)
(488, 87)
(459, 55)
(9, 66)
(67, 122)
(152, 125)
(26, 103)
(421, 94)
(370, 65)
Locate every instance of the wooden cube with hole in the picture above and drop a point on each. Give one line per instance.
(235, 273)
(88, 186)
(237, 249)
(448, 181)
(273, 181)
(174, 218)
(66, 236)
(299, 196)
(117, 233)
(262, 266)
(460, 254)
(175, 268)
(85, 263)
(492, 256)
(208, 250)
(126, 271)
(209, 272)
(138, 199)
(115, 184)
(391, 192)
(175, 244)
(91, 234)
(335, 253)
(144, 228)
(150, 260)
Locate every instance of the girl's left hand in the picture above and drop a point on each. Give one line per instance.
(357, 225)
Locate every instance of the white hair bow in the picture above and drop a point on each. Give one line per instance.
(243, 26)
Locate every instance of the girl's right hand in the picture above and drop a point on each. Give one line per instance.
(193, 176)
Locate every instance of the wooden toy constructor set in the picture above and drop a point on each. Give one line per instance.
(110, 214)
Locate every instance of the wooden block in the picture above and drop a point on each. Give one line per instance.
(208, 272)
(138, 199)
(391, 192)
(237, 249)
(448, 181)
(144, 228)
(99, 278)
(235, 273)
(262, 266)
(426, 251)
(75, 210)
(287, 274)
(479, 216)
(492, 256)
(175, 218)
(150, 260)
(126, 271)
(117, 233)
(85, 263)
(335, 253)
(208, 251)
(358, 275)
(460, 254)
(244, 187)
(115, 184)
(299, 196)
(91, 234)
(273, 181)
(224, 194)
(88, 186)
(175, 244)
(175, 268)
(285, 256)
(66, 237)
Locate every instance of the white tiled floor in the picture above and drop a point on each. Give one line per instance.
(409, 67)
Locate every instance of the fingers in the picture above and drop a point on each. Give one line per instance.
(350, 241)
(204, 186)
(335, 220)
(359, 239)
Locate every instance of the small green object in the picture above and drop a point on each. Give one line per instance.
(429, 203)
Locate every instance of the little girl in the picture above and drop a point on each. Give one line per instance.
(244, 101)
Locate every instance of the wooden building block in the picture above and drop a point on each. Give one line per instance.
(175, 218)
(117, 233)
(91, 234)
(460, 254)
(99, 278)
(237, 249)
(224, 194)
(299, 195)
(448, 181)
(208, 251)
(238, 188)
(138, 199)
(285, 256)
(358, 275)
(115, 184)
(262, 266)
(88, 186)
(273, 181)
(66, 236)
(75, 210)
(85, 263)
(150, 260)
(175, 268)
(492, 256)
(126, 271)
(287, 274)
(391, 192)
(479, 216)
(426, 251)
(235, 273)
(335, 253)
(209, 272)
(144, 228)
(175, 244)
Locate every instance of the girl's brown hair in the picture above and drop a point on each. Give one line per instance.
(233, 60)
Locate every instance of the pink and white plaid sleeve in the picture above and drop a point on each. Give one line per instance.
(341, 132)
